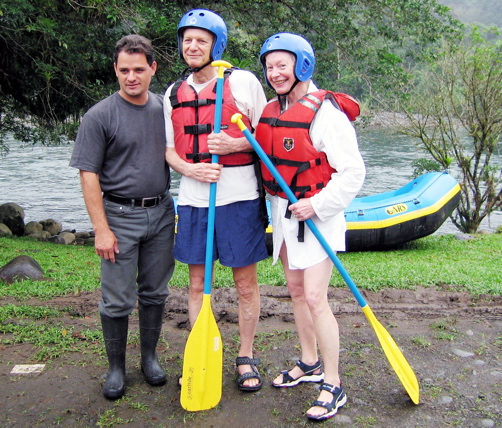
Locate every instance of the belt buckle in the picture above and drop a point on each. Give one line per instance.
(155, 198)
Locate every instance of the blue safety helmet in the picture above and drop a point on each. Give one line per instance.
(298, 46)
(209, 21)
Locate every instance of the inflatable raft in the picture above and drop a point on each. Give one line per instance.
(389, 219)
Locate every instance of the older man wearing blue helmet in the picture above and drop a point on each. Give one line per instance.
(314, 147)
(239, 240)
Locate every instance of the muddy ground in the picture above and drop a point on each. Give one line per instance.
(452, 340)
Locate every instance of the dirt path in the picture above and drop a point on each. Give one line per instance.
(452, 341)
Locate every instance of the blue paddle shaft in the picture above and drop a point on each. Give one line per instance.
(208, 269)
(291, 196)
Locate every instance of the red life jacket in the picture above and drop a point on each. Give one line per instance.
(192, 117)
(286, 140)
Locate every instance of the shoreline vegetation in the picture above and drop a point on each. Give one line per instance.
(471, 263)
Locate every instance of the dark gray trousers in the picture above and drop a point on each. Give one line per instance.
(145, 263)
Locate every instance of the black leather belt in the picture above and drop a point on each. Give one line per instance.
(143, 202)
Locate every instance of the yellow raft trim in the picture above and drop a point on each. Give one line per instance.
(379, 224)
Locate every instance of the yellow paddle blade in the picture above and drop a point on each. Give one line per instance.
(203, 362)
(396, 358)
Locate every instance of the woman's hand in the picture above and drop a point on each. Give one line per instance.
(302, 209)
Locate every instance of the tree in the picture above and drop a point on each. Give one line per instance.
(455, 110)
(56, 60)
(362, 46)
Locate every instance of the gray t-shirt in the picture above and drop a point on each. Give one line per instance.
(125, 144)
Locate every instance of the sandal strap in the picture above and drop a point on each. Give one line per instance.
(308, 370)
(328, 387)
(286, 377)
(326, 404)
(241, 361)
(248, 375)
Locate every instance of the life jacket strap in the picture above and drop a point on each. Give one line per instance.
(274, 121)
(198, 157)
(205, 128)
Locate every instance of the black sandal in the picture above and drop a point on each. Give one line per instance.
(309, 376)
(339, 399)
(253, 362)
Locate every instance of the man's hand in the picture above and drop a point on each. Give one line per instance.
(105, 242)
(220, 144)
(106, 245)
(206, 172)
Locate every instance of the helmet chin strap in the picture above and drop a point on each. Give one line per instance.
(282, 97)
(197, 69)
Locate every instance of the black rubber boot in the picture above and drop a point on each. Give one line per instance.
(150, 325)
(115, 335)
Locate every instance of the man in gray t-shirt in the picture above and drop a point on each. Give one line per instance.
(120, 152)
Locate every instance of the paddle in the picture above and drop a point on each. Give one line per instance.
(394, 355)
(203, 359)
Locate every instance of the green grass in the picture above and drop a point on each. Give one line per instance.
(37, 325)
(437, 260)
(72, 269)
(474, 265)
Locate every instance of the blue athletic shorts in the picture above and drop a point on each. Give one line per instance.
(239, 235)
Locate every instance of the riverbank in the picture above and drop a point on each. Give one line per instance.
(39, 179)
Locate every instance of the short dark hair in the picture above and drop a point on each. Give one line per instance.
(134, 43)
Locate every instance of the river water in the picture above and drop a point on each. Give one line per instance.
(39, 179)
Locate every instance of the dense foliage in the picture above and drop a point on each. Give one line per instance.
(56, 59)
(56, 55)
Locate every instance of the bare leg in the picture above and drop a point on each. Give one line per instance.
(246, 283)
(303, 319)
(325, 325)
(195, 291)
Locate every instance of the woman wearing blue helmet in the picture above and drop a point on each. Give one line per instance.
(314, 146)
(189, 107)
